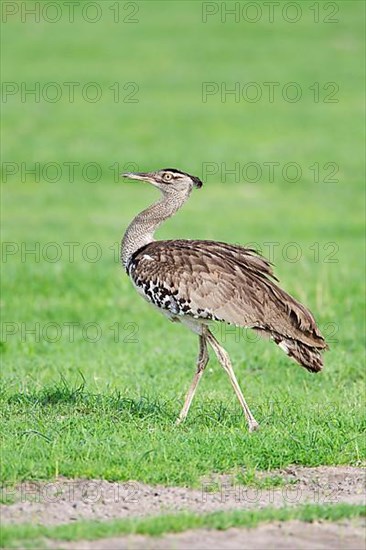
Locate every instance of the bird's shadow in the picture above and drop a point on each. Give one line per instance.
(86, 402)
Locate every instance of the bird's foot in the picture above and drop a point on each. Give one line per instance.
(179, 420)
(253, 425)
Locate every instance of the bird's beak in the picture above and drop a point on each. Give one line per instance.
(143, 176)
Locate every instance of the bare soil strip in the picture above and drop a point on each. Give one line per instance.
(279, 536)
(65, 501)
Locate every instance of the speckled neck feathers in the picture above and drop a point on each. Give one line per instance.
(141, 230)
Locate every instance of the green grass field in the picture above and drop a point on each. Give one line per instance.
(13, 536)
(106, 409)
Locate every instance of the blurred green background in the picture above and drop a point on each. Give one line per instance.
(158, 56)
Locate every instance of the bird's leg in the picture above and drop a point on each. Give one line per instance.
(202, 361)
(225, 362)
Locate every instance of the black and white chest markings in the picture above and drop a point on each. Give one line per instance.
(163, 295)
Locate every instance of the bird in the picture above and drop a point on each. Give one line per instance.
(198, 282)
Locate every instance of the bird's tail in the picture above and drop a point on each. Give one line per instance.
(299, 336)
(307, 356)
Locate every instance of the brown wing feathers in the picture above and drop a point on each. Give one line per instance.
(218, 281)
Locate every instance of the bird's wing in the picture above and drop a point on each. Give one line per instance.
(213, 280)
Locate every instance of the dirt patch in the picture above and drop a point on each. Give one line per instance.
(64, 501)
(288, 535)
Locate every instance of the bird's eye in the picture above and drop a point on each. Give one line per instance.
(167, 177)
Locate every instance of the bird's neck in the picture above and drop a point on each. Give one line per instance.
(141, 230)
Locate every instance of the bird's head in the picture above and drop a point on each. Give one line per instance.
(168, 180)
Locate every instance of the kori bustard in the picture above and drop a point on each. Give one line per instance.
(197, 282)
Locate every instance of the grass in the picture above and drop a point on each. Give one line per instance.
(78, 434)
(15, 536)
(76, 407)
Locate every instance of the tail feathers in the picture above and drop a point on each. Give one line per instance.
(307, 356)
